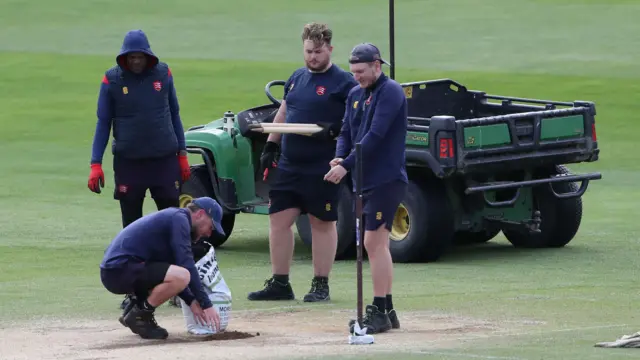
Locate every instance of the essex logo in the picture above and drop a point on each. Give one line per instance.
(378, 215)
(327, 207)
(157, 85)
(125, 90)
(355, 104)
(320, 90)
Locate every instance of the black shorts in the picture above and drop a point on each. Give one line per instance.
(380, 204)
(309, 193)
(134, 177)
(134, 278)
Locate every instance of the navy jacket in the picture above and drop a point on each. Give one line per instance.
(163, 236)
(313, 98)
(377, 118)
(142, 108)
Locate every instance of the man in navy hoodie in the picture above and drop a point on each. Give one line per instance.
(376, 117)
(152, 258)
(138, 100)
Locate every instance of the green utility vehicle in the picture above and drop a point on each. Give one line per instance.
(477, 164)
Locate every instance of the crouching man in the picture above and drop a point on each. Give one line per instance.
(217, 291)
(152, 261)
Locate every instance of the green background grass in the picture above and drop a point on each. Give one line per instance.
(53, 230)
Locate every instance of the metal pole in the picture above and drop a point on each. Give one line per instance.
(359, 229)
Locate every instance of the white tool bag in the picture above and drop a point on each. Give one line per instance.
(219, 294)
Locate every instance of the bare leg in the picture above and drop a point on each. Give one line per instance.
(176, 280)
(281, 240)
(377, 245)
(323, 245)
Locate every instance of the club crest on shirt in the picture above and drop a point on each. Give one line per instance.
(157, 85)
(320, 90)
(355, 104)
(125, 90)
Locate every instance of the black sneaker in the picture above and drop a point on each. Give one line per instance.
(128, 303)
(374, 320)
(393, 317)
(319, 291)
(143, 323)
(273, 290)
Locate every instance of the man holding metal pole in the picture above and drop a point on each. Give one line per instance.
(375, 117)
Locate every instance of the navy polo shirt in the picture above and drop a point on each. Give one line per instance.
(377, 118)
(313, 98)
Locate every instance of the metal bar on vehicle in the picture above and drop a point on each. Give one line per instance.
(489, 120)
(534, 101)
(518, 184)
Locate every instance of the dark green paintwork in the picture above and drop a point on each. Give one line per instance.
(562, 127)
(231, 163)
(486, 136)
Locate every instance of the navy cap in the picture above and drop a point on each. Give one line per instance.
(213, 209)
(364, 53)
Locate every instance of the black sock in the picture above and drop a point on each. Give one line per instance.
(380, 302)
(322, 279)
(283, 279)
(389, 303)
(147, 306)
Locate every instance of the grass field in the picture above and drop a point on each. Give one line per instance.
(485, 302)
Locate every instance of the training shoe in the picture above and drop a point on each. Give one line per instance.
(273, 290)
(128, 303)
(393, 317)
(143, 323)
(319, 291)
(374, 320)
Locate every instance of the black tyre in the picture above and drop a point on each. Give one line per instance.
(199, 185)
(423, 225)
(560, 218)
(477, 237)
(345, 226)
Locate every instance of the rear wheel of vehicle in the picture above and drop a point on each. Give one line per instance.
(475, 237)
(560, 218)
(199, 185)
(345, 226)
(423, 227)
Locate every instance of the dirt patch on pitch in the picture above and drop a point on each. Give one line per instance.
(254, 335)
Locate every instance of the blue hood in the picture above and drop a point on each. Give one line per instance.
(136, 41)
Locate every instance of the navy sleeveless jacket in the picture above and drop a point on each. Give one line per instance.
(142, 125)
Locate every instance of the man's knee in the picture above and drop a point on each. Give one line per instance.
(284, 219)
(377, 239)
(178, 275)
(320, 225)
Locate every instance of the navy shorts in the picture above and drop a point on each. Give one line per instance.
(134, 278)
(134, 177)
(308, 192)
(379, 204)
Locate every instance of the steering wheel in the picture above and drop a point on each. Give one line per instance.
(267, 90)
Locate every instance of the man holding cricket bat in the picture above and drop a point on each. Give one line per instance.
(376, 117)
(314, 94)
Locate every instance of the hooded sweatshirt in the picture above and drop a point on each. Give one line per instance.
(141, 108)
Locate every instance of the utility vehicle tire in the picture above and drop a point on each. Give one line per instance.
(560, 218)
(346, 226)
(423, 225)
(477, 237)
(199, 185)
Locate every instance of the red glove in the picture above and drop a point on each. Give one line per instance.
(185, 170)
(96, 178)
